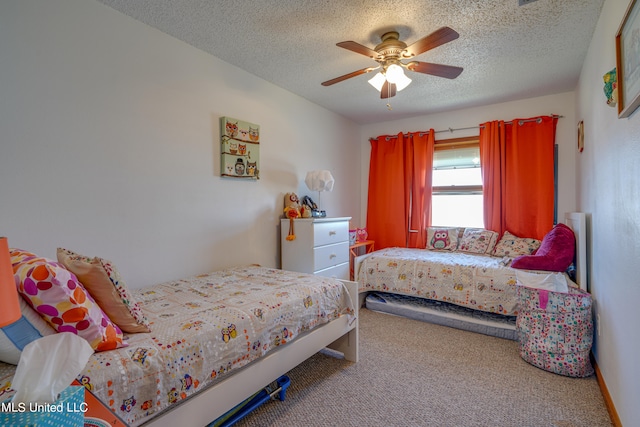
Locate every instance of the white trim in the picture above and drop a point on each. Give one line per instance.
(577, 221)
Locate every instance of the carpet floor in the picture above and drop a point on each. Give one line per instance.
(413, 373)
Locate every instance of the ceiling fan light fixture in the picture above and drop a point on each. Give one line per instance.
(377, 81)
(389, 53)
(402, 81)
(395, 74)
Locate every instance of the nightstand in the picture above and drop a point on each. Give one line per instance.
(321, 246)
(354, 251)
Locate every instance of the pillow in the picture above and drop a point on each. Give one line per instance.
(103, 282)
(555, 253)
(19, 256)
(478, 241)
(512, 246)
(14, 337)
(442, 238)
(55, 293)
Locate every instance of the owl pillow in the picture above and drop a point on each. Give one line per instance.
(441, 238)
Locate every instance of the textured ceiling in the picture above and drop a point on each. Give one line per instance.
(508, 52)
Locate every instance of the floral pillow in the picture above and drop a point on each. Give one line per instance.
(478, 241)
(104, 283)
(442, 238)
(512, 246)
(55, 293)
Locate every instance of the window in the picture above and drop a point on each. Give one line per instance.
(457, 184)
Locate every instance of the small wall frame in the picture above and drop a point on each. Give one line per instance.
(628, 61)
(240, 149)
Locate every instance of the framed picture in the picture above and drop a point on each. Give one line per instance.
(628, 61)
(240, 149)
(580, 136)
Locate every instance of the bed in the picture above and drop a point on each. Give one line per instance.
(216, 340)
(478, 283)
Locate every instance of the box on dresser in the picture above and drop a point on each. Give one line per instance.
(321, 246)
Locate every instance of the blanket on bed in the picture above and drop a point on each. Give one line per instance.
(202, 328)
(480, 282)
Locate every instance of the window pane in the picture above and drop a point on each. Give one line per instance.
(467, 176)
(457, 210)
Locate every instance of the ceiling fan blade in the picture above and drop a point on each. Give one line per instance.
(433, 40)
(358, 48)
(348, 76)
(388, 90)
(446, 71)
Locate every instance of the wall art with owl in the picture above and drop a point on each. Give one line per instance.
(240, 149)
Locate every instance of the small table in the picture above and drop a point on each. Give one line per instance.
(354, 252)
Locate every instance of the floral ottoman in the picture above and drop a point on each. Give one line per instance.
(555, 330)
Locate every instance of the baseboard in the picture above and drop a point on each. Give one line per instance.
(613, 414)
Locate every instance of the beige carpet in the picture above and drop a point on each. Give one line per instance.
(413, 373)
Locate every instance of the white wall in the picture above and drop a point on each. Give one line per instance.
(110, 146)
(609, 190)
(561, 104)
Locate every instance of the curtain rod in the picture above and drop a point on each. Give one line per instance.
(450, 130)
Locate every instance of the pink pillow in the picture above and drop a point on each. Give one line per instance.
(55, 293)
(555, 253)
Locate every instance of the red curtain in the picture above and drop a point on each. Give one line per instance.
(492, 157)
(517, 161)
(399, 201)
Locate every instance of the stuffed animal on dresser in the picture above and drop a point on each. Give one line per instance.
(307, 207)
(291, 211)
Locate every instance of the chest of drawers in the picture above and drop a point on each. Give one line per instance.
(321, 246)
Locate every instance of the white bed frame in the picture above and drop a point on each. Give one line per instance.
(213, 402)
(577, 221)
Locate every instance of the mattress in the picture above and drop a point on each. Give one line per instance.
(479, 282)
(445, 314)
(202, 329)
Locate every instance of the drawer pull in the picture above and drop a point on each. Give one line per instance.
(332, 256)
(332, 233)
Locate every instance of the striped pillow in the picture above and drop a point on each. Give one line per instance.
(14, 337)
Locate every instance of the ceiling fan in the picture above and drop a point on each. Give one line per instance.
(389, 53)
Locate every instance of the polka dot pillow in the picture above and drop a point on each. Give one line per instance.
(19, 256)
(60, 299)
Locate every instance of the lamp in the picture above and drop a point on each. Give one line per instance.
(9, 304)
(319, 180)
(393, 74)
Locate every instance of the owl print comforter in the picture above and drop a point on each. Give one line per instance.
(480, 282)
(202, 328)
